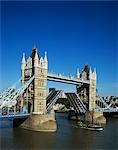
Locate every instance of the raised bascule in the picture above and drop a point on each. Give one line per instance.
(29, 100)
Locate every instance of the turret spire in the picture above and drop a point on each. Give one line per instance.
(95, 75)
(34, 46)
(45, 57)
(36, 59)
(78, 73)
(90, 71)
(23, 59)
(95, 70)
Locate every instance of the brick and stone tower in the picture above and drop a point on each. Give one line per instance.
(36, 93)
(83, 89)
(40, 73)
(23, 68)
(91, 115)
(87, 92)
(92, 90)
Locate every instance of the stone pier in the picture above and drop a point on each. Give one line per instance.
(38, 122)
(95, 117)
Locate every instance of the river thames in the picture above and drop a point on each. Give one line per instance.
(67, 136)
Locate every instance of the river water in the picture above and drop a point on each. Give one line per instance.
(68, 136)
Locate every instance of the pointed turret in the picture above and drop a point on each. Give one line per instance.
(94, 73)
(29, 62)
(41, 61)
(45, 61)
(45, 57)
(78, 73)
(90, 72)
(23, 59)
(34, 46)
(36, 58)
(23, 62)
(34, 51)
(94, 70)
(23, 68)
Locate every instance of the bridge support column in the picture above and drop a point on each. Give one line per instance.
(95, 117)
(40, 122)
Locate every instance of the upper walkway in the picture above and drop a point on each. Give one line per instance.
(65, 79)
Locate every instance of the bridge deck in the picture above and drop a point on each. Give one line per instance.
(51, 96)
(76, 102)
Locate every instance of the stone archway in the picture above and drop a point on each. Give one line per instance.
(29, 107)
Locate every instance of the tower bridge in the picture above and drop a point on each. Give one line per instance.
(30, 96)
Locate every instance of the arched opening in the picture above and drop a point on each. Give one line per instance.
(29, 107)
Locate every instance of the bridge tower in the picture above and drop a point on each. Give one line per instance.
(38, 67)
(40, 73)
(83, 89)
(87, 92)
(39, 120)
(23, 68)
(92, 90)
(91, 115)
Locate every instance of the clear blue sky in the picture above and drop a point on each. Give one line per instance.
(72, 33)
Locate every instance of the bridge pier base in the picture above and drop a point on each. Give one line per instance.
(95, 117)
(40, 122)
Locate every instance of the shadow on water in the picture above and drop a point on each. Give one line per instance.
(68, 136)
